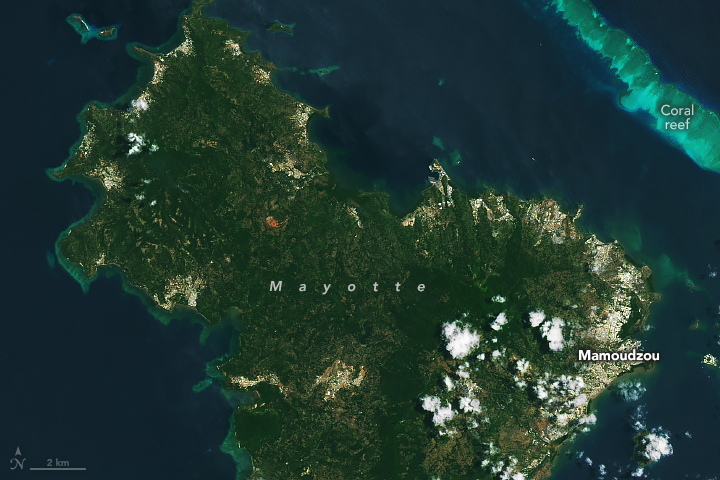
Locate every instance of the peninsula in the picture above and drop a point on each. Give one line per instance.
(209, 189)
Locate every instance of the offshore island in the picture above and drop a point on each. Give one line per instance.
(87, 31)
(209, 189)
(281, 27)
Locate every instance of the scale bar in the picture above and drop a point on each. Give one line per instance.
(57, 468)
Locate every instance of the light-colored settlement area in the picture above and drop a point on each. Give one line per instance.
(439, 343)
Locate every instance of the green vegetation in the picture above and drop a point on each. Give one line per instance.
(281, 27)
(88, 32)
(209, 190)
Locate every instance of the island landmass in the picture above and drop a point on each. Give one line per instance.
(439, 343)
(322, 71)
(281, 27)
(650, 446)
(87, 31)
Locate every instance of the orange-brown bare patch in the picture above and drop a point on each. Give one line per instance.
(273, 223)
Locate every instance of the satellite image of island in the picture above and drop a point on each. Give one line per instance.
(443, 241)
(88, 32)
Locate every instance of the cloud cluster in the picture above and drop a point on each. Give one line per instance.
(630, 391)
(541, 392)
(470, 405)
(499, 322)
(579, 401)
(637, 418)
(657, 445)
(537, 318)
(140, 103)
(441, 414)
(552, 331)
(460, 340)
(136, 143)
(589, 420)
(523, 365)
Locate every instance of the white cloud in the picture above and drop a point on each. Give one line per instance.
(590, 420)
(460, 340)
(657, 445)
(552, 330)
(449, 383)
(499, 322)
(431, 403)
(536, 318)
(136, 143)
(572, 384)
(470, 405)
(523, 365)
(441, 414)
(139, 103)
(637, 418)
(638, 472)
(506, 475)
(541, 392)
(499, 299)
(496, 353)
(580, 400)
(630, 391)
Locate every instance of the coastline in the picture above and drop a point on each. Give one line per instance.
(161, 314)
(179, 313)
(87, 32)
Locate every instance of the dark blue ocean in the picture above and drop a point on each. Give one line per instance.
(95, 380)
(679, 37)
(90, 379)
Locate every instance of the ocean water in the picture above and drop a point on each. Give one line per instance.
(529, 109)
(92, 379)
(679, 37)
(95, 380)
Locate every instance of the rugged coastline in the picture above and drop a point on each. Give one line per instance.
(191, 169)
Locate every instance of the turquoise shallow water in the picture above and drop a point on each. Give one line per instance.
(92, 379)
(521, 101)
(529, 108)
